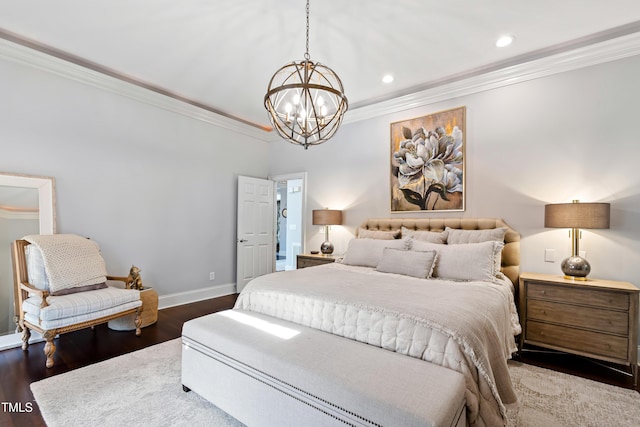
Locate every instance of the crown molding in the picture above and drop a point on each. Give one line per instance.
(24, 55)
(594, 54)
(18, 214)
(474, 82)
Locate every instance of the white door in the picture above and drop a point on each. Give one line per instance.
(256, 219)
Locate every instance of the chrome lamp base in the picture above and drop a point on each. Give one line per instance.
(326, 248)
(575, 268)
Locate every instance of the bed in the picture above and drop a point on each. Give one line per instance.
(461, 319)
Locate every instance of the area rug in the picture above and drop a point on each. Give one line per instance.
(143, 389)
(553, 399)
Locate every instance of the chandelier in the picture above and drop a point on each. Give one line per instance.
(305, 100)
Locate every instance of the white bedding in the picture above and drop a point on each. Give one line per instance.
(465, 326)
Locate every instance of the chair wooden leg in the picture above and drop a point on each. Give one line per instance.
(138, 321)
(49, 347)
(16, 319)
(26, 334)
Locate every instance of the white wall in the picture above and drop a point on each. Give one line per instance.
(153, 188)
(550, 140)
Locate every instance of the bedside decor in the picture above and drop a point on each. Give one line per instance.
(327, 217)
(305, 101)
(133, 279)
(427, 162)
(576, 215)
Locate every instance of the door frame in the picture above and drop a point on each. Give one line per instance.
(303, 233)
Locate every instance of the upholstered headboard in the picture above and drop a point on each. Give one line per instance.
(510, 253)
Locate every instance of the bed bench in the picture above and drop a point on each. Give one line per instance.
(265, 372)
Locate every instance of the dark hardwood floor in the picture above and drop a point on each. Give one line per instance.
(605, 372)
(18, 368)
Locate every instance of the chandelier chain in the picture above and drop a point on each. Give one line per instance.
(305, 100)
(306, 55)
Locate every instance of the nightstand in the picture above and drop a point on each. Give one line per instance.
(594, 318)
(310, 260)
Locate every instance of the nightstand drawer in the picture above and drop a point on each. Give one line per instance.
(579, 296)
(304, 261)
(598, 319)
(575, 339)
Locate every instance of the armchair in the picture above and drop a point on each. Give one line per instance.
(56, 300)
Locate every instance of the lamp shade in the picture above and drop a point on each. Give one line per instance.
(327, 217)
(577, 215)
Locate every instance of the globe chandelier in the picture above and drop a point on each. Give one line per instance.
(305, 100)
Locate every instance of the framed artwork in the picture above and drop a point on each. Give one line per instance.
(427, 162)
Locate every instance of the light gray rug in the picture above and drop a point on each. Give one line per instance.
(143, 389)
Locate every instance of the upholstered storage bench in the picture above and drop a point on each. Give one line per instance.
(269, 372)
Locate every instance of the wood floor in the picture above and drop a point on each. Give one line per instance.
(18, 369)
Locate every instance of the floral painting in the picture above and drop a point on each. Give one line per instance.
(427, 162)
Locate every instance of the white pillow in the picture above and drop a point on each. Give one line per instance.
(457, 236)
(426, 236)
(473, 261)
(368, 252)
(409, 263)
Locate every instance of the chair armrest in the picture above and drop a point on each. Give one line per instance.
(28, 287)
(120, 279)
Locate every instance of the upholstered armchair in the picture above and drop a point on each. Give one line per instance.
(61, 286)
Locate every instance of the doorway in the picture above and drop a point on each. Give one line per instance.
(290, 215)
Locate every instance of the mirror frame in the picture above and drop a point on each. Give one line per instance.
(46, 196)
(47, 221)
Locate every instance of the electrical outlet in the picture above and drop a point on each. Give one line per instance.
(212, 276)
(550, 255)
(583, 254)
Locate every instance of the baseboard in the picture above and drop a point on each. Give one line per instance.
(15, 340)
(180, 298)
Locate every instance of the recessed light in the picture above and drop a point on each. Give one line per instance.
(387, 78)
(505, 40)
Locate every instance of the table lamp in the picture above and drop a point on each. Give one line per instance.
(575, 216)
(327, 217)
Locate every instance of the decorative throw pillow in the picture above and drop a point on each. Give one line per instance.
(457, 236)
(377, 234)
(473, 261)
(409, 263)
(367, 252)
(426, 236)
(79, 289)
(35, 268)
(87, 266)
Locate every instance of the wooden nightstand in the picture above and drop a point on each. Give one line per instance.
(595, 318)
(309, 260)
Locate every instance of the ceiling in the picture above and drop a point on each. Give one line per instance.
(221, 54)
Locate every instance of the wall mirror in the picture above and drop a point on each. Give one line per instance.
(27, 206)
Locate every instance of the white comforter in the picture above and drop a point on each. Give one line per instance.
(465, 326)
